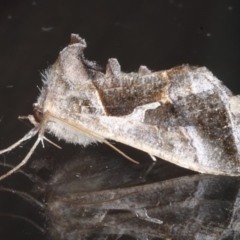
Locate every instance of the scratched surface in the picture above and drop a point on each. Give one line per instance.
(159, 35)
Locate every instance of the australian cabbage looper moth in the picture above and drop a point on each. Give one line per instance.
(184, 115)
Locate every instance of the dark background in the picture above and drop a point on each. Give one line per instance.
(158, 34)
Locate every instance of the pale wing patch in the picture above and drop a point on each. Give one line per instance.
(200, 85)
(235, 105)
(139, 112)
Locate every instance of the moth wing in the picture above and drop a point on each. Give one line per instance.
(184, 115)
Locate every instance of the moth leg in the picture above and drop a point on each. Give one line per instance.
(144, 176)
(54, 144)
(153, 157)
(24, 161)
(29, 135)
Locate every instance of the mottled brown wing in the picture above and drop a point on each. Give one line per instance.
(183, 115)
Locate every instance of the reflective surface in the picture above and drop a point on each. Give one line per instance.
(157, 34)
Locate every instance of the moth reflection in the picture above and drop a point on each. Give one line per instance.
(99, 196)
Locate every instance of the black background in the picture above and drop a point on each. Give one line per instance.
(158, 34)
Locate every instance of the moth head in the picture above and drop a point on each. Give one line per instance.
(37, 113)
(37, 119)
(65, 80)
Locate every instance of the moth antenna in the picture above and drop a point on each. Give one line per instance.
(24, 161)
(119, 151)
(54, 144)
(23, 117)
(25, 219)
(97, 137)
(29, 135)
(25, 196)
(33, 178)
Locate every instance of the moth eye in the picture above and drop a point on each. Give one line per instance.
(37, 115)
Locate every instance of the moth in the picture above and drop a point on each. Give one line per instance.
(184, 115)
(95, 195)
